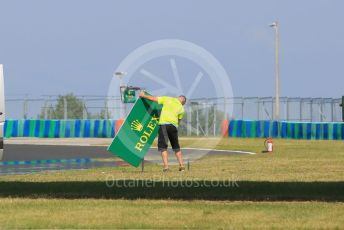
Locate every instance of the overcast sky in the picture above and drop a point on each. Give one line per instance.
(62, 46)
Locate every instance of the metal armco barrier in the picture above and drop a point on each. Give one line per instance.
(60, 128)
(285, 129)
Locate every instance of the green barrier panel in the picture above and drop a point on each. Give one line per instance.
(137, 132)
(235, 127)
(270, 129)
(243, 129)
(72, 128)
(279, 129)
(109, 128)
(32, 128)
(304, 130)
(41, 128)
(92, 128)
(313, 131)
(21, 128)
(330, 131)
(52, 129)
(253, 129)
(289, 134)
(9, 128)
(261, 123)
(62, 129)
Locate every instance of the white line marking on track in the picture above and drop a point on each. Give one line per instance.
(53, 144)
(216, 150)
(85, 144)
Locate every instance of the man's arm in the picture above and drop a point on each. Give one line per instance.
(151, 98)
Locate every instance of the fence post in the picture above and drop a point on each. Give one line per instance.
(311, 109)
(188, 120)
(242, 108)
(287, 107)
(106, 110)
(65, 107)
(84, 109)
(214, 121)
(321, 111)
(25, 108)
(301, 118)
(197, 122)
(258, 108)
(272, 108)
(332, 110)
(206, 108)
(84, 112)
(50, 116)
(45, 110)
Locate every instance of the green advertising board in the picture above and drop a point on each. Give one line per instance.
(137, 133)
(129, 96)
(342, 105)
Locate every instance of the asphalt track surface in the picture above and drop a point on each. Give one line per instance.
(21, 152)
(33, 158)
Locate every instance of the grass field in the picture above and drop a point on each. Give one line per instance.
(300, 185)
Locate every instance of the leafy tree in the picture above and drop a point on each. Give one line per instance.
(75, 108)
(101, 115)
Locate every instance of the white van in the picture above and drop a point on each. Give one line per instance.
(2, 111)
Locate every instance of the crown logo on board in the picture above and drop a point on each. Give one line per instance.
(136, 125)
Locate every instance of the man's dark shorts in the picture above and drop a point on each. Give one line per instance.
(168, 132)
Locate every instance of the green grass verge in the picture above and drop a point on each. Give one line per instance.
(172, 214)
(300, 185)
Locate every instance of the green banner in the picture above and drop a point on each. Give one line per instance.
(137, 132)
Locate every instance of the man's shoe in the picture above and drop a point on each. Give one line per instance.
(165, 170)
(181, 169)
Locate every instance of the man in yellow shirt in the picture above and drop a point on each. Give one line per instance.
(171, 114)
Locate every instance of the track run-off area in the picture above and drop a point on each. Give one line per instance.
(36, 155)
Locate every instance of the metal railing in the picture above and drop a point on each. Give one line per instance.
(205, 113)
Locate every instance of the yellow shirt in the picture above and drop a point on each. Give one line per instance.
(171, 112)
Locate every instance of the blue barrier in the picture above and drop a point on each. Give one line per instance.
(286, 129)
(59, 128)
